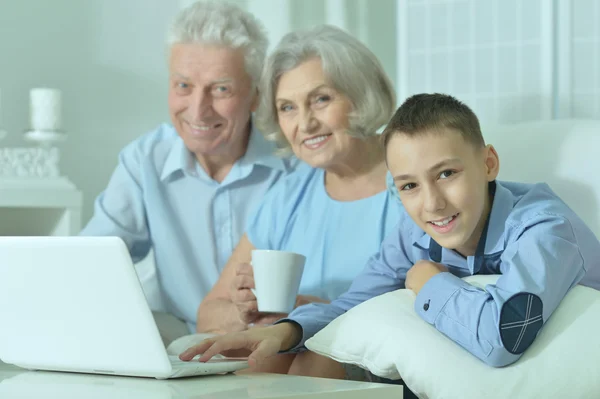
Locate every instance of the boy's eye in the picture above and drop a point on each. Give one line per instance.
(407, 187)
(446, 174)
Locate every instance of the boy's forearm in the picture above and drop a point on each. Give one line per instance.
(218, 316)
(499, 324)
(467, 316)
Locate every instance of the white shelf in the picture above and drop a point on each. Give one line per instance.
(39, 206)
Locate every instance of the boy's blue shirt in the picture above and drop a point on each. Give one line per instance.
(533, 239)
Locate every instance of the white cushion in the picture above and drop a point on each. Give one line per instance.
(387, 337)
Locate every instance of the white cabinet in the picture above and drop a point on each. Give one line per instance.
(39, 206)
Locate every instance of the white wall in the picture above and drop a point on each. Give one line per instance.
(511, 60)
(108, 58)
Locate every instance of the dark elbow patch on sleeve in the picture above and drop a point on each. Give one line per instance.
(520, 321)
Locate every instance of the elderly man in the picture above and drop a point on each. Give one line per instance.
(186, 189)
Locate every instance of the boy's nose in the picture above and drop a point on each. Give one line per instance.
(434, 200)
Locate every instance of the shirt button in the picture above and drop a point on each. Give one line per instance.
(426, 306)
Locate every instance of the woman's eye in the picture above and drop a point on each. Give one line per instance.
(182, 85)
(285, 108)
(323, 99)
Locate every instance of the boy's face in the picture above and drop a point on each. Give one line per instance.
(443, 184)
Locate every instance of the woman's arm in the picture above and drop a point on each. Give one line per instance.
(218, 313)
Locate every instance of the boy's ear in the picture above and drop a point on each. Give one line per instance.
(492, 162)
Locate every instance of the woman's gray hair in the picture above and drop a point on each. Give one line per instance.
(222, 24)
(350, 68)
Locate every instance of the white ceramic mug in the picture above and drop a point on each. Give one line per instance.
(277, 276)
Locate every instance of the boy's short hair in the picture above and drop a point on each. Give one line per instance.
(433, 112)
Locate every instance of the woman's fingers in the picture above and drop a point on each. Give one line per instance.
(242, 282)
(243, 295)
(244, 269)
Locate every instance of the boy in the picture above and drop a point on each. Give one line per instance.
(459, 221)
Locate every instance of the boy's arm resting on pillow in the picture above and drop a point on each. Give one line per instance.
(540, 264)
(379, 276)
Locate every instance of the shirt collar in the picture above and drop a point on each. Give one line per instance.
(501, 209)
(502, 206)
(262, 152)
(179, 158)
(259, 152)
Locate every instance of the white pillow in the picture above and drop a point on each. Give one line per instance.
(387, 337)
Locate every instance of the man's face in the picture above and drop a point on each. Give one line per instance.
(210, 97)
(443, 184)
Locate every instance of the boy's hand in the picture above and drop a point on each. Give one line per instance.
(421, 272)
(262, 342)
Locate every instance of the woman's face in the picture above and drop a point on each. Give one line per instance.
(313, 116)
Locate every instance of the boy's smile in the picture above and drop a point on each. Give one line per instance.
(444, 225)
(443, 181)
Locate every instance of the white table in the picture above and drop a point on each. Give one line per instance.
(39, 206)
(19, 383)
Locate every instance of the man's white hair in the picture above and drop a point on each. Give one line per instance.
(222, 24)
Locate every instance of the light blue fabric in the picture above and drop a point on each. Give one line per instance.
(336, 237)
(534, 240)
(160, 197)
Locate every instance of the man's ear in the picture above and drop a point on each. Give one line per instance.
(492, 162)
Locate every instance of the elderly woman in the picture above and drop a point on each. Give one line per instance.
(324, 95)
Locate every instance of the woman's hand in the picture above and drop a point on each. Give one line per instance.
(262, 342)
(241, 294)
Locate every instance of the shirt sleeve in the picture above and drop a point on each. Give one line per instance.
(540, 264)
(384, 272)
(119, 210)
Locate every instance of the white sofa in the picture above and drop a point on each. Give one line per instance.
(563, 153)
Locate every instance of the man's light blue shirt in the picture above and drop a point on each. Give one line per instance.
(533, 239)
(337, 237)
(160, 197)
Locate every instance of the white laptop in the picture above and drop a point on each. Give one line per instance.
(75, 304)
